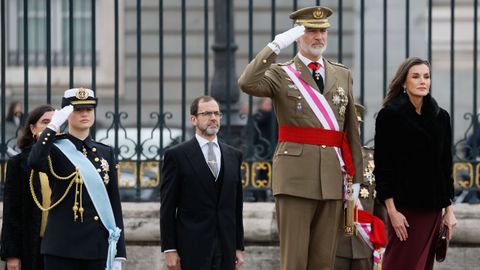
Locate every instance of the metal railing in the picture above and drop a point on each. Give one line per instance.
(140, 152)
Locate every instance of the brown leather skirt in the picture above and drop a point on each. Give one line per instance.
(417, 252)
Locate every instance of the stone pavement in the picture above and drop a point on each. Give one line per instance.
(142, 232)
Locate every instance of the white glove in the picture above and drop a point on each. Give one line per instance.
(286, 38)
(117, 265)
(59, 117)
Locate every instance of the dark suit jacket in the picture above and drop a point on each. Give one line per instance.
(21, 217)
(191, 214)
(65, 237)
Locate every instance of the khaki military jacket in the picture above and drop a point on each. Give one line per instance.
(304, 170)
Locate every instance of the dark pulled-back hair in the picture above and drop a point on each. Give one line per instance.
(26, 140)
(196, 101)
(396, 85)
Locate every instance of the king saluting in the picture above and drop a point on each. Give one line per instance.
(85, 227)
(318, 155)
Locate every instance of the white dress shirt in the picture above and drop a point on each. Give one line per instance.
(307, 61)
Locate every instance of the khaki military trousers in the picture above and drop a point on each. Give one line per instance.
(342, 263)
(308, 232)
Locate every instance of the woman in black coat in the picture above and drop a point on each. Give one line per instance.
(413, 167)
(22, 219)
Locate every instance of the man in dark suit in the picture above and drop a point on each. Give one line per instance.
(201, 197)
(84, 226)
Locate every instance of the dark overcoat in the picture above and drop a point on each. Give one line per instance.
(21, 217)
(413, 155)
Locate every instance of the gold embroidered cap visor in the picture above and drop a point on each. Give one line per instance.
(79, 98)
(312, 17)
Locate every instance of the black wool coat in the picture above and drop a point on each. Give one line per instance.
(413, 155)
(21, 217)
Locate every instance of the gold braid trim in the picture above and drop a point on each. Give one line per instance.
(35, 198)
(50, 165)
(76, 178)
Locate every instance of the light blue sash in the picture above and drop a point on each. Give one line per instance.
(96, 189)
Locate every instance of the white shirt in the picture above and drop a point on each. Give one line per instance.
(307, 61)
(216, 149)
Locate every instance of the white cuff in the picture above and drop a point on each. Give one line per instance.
(274, 46)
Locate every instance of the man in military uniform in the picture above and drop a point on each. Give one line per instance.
(313, 100)
(85, 227)
(353, 253)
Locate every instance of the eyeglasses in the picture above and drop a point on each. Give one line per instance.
(209, 114)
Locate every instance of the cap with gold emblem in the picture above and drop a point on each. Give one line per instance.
(312, 17)
(79, 98)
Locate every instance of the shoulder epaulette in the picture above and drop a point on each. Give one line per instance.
(61, 135)
(338, 64)
(286, 63)
(100, 143)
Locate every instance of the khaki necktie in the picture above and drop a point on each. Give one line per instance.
(212, 160)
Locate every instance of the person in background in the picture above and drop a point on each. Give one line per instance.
(15, 114)
(413, 167)
(23, 222)
(264, 127)
(13, 123)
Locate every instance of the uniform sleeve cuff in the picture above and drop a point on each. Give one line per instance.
(274, 46)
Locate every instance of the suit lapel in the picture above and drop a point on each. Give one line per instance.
(227, 167)
(331, 78)
(305, 72)
(197, 160)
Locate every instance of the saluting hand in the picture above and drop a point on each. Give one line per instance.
(286, 38)
(59, 117)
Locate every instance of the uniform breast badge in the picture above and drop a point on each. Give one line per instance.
(364, 192)
(106, 169)
(299, 107)
(340, 99)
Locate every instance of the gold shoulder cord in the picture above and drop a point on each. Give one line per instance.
(76, 178)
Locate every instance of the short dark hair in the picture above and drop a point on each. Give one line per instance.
(196, 101)
(26, 140)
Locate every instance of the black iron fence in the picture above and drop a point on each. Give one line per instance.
(370, 36)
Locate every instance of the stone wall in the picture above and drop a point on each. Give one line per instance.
(142, 231)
